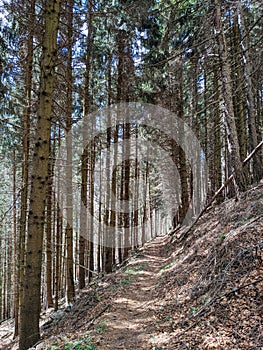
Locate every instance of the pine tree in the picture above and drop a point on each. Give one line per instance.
(30, 308)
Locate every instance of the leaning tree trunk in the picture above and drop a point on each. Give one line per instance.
(31, 306)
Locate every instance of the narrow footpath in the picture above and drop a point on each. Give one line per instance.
(129, 322)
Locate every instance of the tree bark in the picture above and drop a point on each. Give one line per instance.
(253, 140)
(24, 193)
(69, 189)
(225, 71)
(49, 244)
(31, 306)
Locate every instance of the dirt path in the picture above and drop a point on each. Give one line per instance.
(129, 322)
(202, 293)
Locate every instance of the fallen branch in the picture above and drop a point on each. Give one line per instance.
(93, 319)
(218, 297)
(252, 153)
(242, 287)
(98, 315)
(85, 268)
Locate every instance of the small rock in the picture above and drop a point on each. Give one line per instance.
(68, 307)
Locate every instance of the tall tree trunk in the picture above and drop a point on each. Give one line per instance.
(145, 178)
(126, 189)
(58, 233)
(15, 238)
(228, 101)
(69, 189)
(83, 217)
(108, 249)
(31, 306)
(101, 195)
(257, 162)
(24, 192)
(58, 270)
(239, 98)
(49, 235)
(217, 157)
(113, 216)
(135, 218)
(83, 244)
(91, 208)
(182, 158)
(69, 226)
(9, 278)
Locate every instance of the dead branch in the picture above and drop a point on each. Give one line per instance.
(252, 153)
(85, 268)
(93, 319)
(242, 287)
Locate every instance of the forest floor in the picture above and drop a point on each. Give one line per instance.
(204, 291)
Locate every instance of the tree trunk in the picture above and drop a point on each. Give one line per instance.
(182, 158)
(69, 189)
(91, 208)
(239, 98)
(83, 244)
(31, 307)
(234, 150)
(107, 215)
(83, 217)
(24, 192)
(257, 163)
(113, 216)
(49, 246)
(126, 189)
(15, 239)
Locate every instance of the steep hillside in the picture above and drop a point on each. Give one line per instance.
(203, 292)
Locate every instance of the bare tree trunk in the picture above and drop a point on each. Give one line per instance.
(58, 270)
(24, 192)
(107, 216)
(182, 158)
(30, 308)
(239, 98)
(228, 101)
(145, 186)
(49, 241)
(91, 209)
(83, 244)
(15, 239)
(83, 217)
(69, 225)
(69, 189)
(217, 156)
(126, 189)
(136, 195)
(257, 162)
(113, 216)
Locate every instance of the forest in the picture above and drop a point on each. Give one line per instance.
(120, 121)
